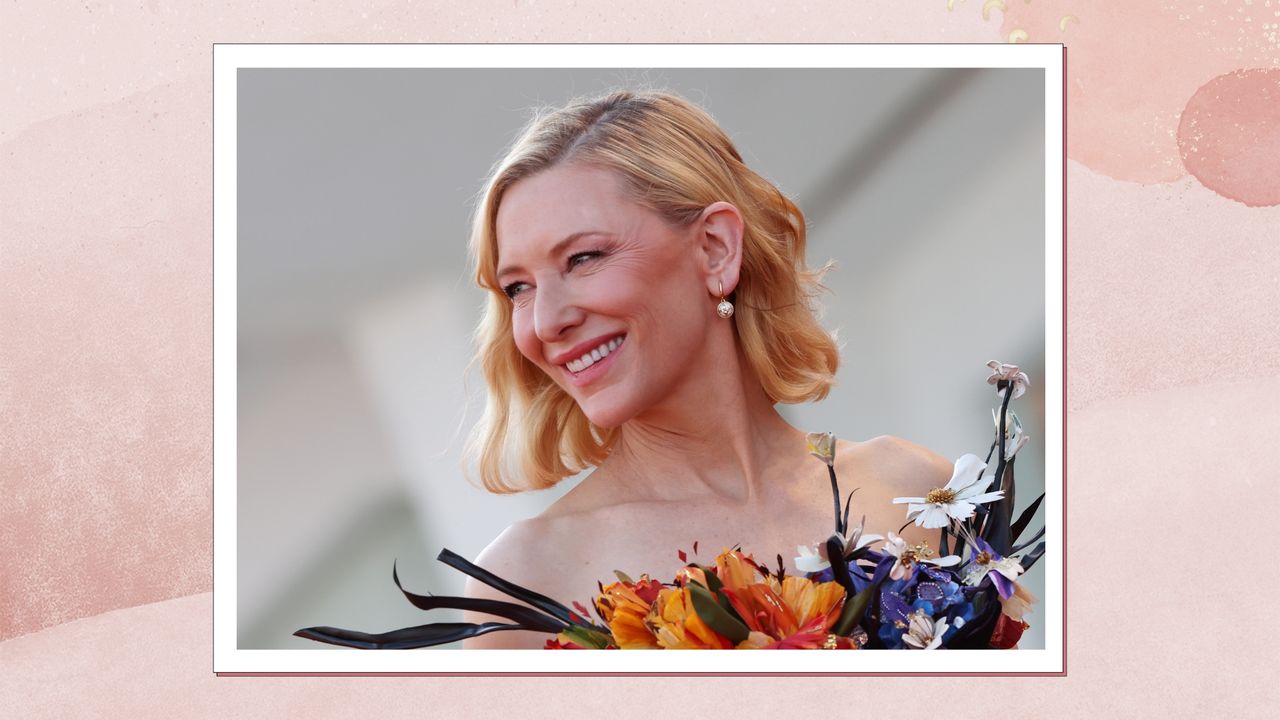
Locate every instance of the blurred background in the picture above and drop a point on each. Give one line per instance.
(355, 302)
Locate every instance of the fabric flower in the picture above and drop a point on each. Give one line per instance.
(923, 632)
(624, 606)
(907, 556)
(957, 499)
(935, 597)
(822, 446)
(1006, 633)
(676, 626)
(985, 560)
(813, 558)
(736, 570)
(1003, 375)
(795, 613)
(792, 613)
(1019, 604)
(560, 643)
(858, 539)
(1014, 438)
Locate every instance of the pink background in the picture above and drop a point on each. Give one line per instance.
(106, 366)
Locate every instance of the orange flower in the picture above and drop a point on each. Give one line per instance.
(624, 607)
(809, 600)
(736, 570)
(795, 613)
(792, 613)
(678, 627)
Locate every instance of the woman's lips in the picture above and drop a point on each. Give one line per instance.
(597, 369)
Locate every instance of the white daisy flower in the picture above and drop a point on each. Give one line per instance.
(957, 499)
(810, 560)
(908, 555)
(813, 558)
(923, 632)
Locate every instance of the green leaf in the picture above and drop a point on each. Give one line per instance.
(851, 614)
(705, 605)
(588, 638)
(714, 583)
(623, 577)
(716, 586)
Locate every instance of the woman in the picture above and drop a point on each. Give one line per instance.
(649, 306)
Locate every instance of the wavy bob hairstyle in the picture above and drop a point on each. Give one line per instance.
(675, 160)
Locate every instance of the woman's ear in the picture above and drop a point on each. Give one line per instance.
(720, 230)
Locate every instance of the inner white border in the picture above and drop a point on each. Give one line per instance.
(227, 59)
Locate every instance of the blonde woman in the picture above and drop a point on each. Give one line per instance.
(649, 306)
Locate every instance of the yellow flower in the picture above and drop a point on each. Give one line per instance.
(736, 570)
(794, 612)
(808, 600)
(624, 607)
(676, 625)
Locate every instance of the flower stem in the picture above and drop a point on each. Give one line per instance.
(835, 498)
(1002, 508)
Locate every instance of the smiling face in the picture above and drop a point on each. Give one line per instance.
(608, 299)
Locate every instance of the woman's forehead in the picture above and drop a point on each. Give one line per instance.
(567, 189)
(542, 210)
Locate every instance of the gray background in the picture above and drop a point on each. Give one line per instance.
(355, 303)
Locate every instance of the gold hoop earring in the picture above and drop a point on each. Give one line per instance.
(725, 308)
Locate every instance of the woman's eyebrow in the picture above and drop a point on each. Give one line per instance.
(554, 251)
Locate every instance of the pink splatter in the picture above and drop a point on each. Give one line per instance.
(1132, 66)
(1229, 136)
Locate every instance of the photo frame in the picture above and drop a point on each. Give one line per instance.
(296, 248)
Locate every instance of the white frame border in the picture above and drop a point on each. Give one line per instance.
(227, 59)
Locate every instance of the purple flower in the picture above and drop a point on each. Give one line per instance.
(984, 560)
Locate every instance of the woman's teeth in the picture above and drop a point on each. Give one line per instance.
(595, 356)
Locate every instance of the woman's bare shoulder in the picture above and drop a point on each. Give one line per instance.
(902, 465)
(522, 554)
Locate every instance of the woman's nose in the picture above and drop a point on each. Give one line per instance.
(554, 312)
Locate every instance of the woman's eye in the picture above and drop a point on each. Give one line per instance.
(514, 289)
(577, 259)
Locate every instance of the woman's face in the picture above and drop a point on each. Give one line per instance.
(607, 298)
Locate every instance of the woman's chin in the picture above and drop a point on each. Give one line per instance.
(605, 421)
(606, 417)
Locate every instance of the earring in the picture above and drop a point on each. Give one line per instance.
(725, 308)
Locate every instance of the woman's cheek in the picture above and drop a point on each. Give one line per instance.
(526, 341)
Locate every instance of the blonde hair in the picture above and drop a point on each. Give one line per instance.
(675, 160)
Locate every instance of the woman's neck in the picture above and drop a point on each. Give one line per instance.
(720, 437)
